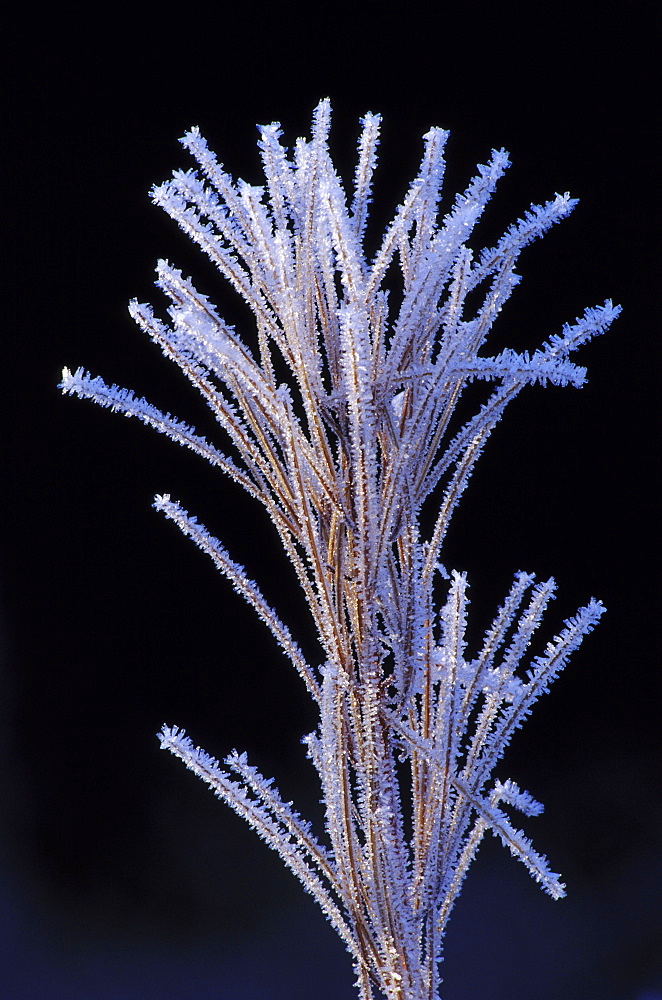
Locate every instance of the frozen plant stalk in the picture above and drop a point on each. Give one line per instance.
(343, 455)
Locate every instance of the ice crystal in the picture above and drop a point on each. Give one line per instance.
(343, 456)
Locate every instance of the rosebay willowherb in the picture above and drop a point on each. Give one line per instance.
(343, 454)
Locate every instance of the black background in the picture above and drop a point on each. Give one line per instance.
(120, 875)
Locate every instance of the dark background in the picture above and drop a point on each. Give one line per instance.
(120, 875)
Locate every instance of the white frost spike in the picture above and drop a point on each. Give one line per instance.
(343, 455)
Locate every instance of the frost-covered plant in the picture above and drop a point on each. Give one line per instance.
(343, 455)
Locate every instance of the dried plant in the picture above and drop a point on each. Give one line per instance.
(343, 456)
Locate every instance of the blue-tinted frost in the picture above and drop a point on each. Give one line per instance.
(343, 457)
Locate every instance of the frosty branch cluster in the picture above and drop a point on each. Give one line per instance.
(343, 455)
